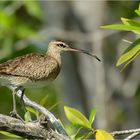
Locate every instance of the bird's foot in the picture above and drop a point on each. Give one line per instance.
(15, 115)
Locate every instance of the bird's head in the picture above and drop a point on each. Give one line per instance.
(56, 47)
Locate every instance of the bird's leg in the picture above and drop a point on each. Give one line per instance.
(14, 113)
(21, 89)
(21, 99)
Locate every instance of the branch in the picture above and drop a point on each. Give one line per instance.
(133, 135)
(44, 111)
(133, 132)
(28, 130)
(125, 132)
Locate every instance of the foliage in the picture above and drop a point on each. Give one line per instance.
(79, 120)
(103, 135)
(17, 20)
(9, 134)
(134, 49)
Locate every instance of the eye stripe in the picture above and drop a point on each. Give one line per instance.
(62, 45)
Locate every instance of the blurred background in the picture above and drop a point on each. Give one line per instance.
(83, 83)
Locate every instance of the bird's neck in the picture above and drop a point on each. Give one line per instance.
(55, 55)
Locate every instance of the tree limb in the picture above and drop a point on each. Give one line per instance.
(55, 123)
(28, 130)
(133, 133)
(125, 132)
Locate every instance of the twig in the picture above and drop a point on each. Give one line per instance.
(44, 111)
(127, 41)
(132, 136)
(28, 130)
(133, 132)
(125, 132)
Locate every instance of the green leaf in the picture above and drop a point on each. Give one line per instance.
(27, 116)
(92, 116)
(76, 117)
(80, 136)
(36, 113)
(130, 60)
(76, 135)
(9, 134)
(129, 52)
(44, 100)
(85, 136)
(130, 22)
(137, 12)
(88, 135)
(61, 123)
(123, 27)
(103, 135)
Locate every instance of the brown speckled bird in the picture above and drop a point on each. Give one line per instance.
(34, 69)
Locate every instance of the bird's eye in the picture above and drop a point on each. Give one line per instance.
(62, 45)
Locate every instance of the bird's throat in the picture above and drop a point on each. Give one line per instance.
(55, 55)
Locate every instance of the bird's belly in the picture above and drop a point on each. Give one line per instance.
(22, 81)
(36, 84)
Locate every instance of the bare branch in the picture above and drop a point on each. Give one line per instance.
(55, 123)
(130, 137)
(125, 132)
(133, 132)
(28, 130)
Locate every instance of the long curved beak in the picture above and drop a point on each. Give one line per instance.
(83, 51)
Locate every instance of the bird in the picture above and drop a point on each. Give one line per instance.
(34, 70)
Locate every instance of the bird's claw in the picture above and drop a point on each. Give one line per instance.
(15, 115)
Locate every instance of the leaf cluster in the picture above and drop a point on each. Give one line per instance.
(79, 120)
(133, 50)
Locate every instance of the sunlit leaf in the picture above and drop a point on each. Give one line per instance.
(123, 27)
(137, 12)
(92, 116)
(129, 52)
(130, 60)
(9, 134)
(132, 23)
(76, 117)
(103, 135)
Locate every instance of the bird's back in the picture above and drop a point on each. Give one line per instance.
(31, 68)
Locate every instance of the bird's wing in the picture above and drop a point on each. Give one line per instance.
(34, 66)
